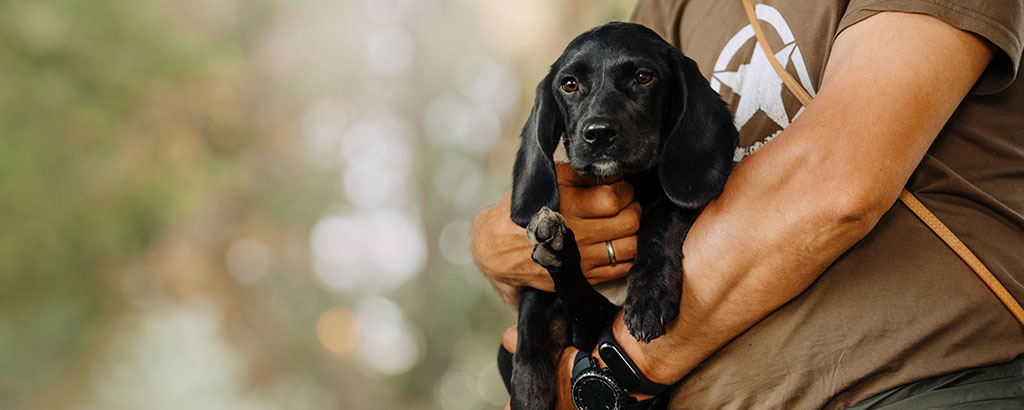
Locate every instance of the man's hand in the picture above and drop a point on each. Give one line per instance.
(597, 210)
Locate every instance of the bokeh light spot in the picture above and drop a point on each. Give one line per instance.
(457, 391)
(454, 243)
(451, 119)
(459, 180)
(387, 344)
(490, 385)
(337, 331)
(323, 125)
(247, 260)
(378, 159)
(488, 82)
(356, 250)
(389, 50)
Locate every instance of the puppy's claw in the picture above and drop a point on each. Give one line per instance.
(644, 321)
(651, 304)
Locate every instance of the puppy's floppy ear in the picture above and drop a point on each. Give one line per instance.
(533, 176)
(696, 155)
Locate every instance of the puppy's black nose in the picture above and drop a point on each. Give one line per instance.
(599, 132)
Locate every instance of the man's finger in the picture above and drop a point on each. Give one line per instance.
(510, 338)
(591, 231)
(606, 273)
(564, 382)
(596, 255)
(598, 201)
(568, 176)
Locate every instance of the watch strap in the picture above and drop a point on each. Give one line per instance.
(623, 368)
(580, 363)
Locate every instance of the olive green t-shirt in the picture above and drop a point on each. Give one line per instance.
(899, 306)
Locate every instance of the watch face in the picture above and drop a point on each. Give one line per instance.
(594, 393)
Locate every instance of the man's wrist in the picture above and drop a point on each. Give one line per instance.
(638, 353)
(631, 397)
(648, 357)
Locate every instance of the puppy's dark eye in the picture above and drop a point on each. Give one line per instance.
(570, 85)
(643, 77)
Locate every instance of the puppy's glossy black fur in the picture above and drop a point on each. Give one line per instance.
(624, 102)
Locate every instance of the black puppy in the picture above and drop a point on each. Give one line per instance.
(624, 102)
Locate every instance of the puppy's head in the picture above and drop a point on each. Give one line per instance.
(625, 101)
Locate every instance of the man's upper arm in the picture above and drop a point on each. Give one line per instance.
(891, 83)
(1000, 22)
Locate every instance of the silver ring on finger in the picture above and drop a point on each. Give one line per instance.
(611, 252)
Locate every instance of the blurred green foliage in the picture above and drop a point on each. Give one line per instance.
(140, 139)
(85, 182)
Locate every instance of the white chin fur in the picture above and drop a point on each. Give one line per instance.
(605, 167)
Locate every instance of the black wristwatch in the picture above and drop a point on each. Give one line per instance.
(596, 388)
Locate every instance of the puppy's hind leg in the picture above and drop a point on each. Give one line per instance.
(542, 338)
(586, 310)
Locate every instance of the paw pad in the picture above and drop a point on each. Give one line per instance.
(547, 233)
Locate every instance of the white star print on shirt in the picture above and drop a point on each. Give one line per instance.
(759, 87)
(755, 83)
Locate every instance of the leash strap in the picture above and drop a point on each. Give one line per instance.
(906, 197)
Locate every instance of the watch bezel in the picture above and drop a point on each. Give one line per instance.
(606, 378)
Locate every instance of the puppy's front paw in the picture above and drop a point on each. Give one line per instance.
(548, 235)
(652, 300)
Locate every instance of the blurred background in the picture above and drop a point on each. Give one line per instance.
(259, 204)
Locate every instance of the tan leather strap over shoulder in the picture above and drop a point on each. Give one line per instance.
(906, 197)
(964, 253)
(791, 83)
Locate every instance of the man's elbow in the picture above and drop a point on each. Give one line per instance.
(857, 210)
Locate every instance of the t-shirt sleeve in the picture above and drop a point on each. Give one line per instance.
(662, 16)
(1001, 22)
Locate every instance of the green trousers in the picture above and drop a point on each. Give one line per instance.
(995, 387)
